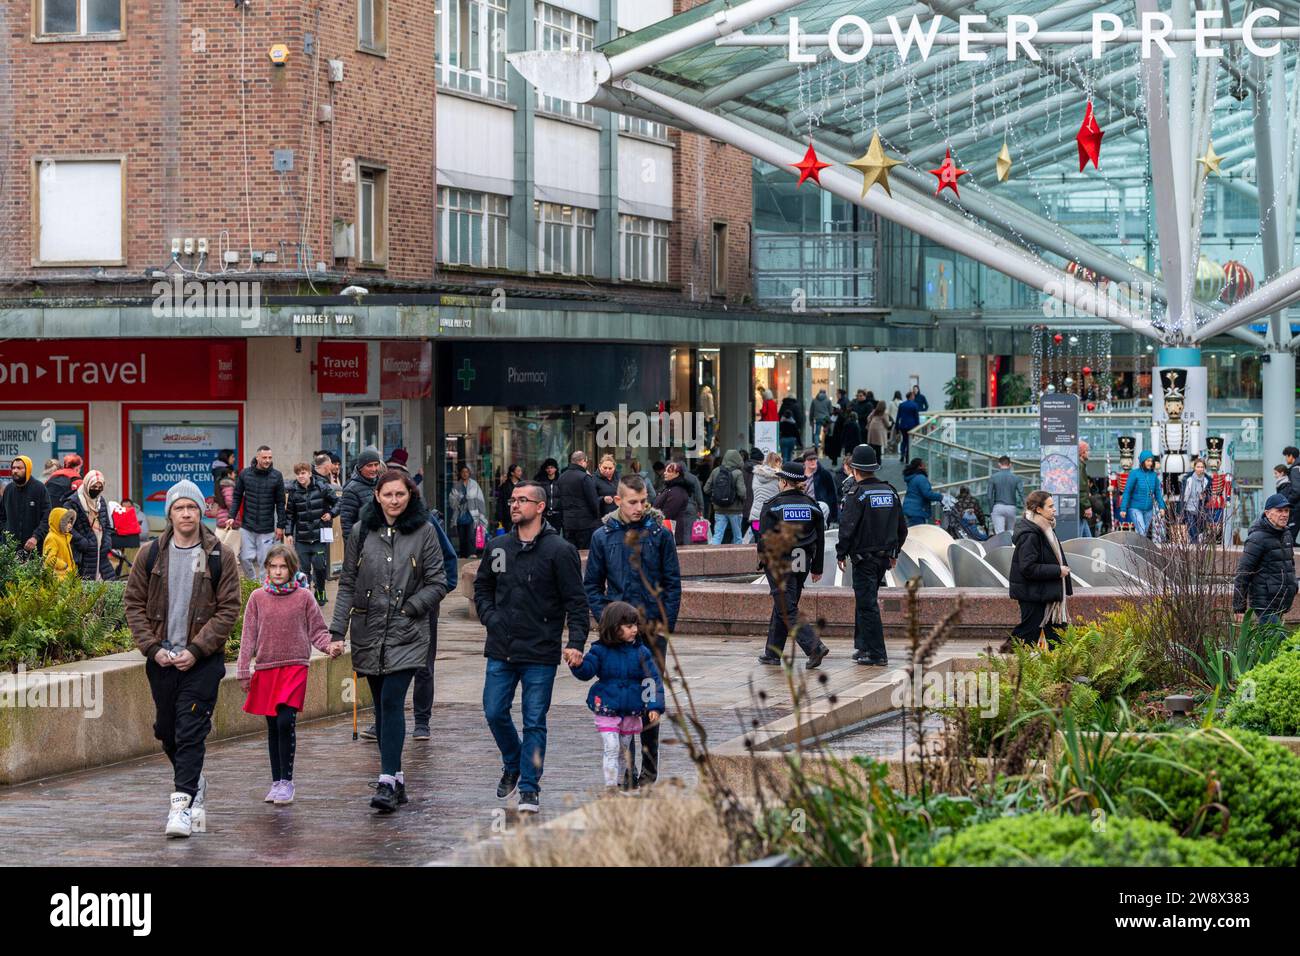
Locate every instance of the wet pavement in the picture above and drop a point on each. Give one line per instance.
(115, 815)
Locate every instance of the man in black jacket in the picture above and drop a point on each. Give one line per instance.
(872, 532)
(787, 567)
(360, 488)
(579, 502)
(528, 586)
(1266, 581)
(311, 507)
(260, 489)
(24, 509)
(1292, 455)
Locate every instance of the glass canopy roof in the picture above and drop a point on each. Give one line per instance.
(924, 108)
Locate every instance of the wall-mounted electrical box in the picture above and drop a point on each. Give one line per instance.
(324, 113)
(336, 71)
(230, 257)
(283, 160)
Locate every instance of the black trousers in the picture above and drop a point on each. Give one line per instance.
(183, 701)
(1031, 621)
(650, 735)
(785, 611)
(465, 540)
(282, 741)
(314, 561)
(868, 628)
(422, 698)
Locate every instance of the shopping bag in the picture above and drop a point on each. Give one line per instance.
(479, 538)
(699, 531)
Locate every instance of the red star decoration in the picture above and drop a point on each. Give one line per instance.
(810, 166)
(1089, 139)
(948, 174)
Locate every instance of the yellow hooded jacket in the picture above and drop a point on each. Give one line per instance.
(58, 546)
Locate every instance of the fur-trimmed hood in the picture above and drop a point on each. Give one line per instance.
(653, 514)
(411, 520)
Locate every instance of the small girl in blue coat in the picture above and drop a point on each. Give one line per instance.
(628, 688)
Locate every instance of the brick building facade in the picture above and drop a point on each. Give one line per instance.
(186, 94)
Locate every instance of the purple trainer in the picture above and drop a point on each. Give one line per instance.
(272, 793)
(285, 796)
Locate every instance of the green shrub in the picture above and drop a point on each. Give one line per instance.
(1242, 781)
(1268, 696)
(46, 619)
(1039, 839)
(246, 588)
(1094, 663)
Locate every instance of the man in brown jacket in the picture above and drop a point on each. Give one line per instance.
(182, 601)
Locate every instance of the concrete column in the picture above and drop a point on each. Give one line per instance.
(1279, 406)
(521, 252)
(735, 397)
(607, 246)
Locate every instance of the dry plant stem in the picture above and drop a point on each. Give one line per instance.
(1187, 600)
(732, 814)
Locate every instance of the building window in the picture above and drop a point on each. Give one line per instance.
(719, 252)
(372, 26)
(566, 239)
(562, 30)
(78, 211)
(474, 227)
(79, 18)
(645, 249)
(372, 216)
(472, 46)
(641, 127)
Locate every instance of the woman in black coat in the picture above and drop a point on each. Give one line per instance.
(672, 501)
(504, 491)
(850, 434)
(1040, 574)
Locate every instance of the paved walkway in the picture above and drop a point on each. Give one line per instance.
(114, 815)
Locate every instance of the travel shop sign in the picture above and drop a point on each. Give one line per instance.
(75, 370)
(851, 38)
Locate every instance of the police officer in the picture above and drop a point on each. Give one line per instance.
(790, 506)
(872, 531)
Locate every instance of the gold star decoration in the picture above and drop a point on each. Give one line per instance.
(875, 165)
(1211, 160)
(1004, 163)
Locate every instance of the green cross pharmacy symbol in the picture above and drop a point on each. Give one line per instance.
(466, 375)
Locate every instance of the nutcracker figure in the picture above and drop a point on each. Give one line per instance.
(1218, 502)
(1176, 440)
(1118, 479)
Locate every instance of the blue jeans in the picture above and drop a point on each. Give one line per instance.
(787, 448)
(720, 522)
(1193, 519)
(522, 756)
(1141, 520)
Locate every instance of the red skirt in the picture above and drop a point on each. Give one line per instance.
(274, 686)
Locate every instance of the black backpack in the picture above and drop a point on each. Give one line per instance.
(724, 487)
(214, 563)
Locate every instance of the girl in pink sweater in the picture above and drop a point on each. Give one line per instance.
(282, 622)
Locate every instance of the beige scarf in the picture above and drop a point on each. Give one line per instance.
(1057, 611)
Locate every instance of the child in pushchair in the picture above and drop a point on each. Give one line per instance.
(963, 518)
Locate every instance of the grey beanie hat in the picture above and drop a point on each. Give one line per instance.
(184, 489)
(368, 455)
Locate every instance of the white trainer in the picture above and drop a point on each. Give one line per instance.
(179, 819)
(198, 807)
